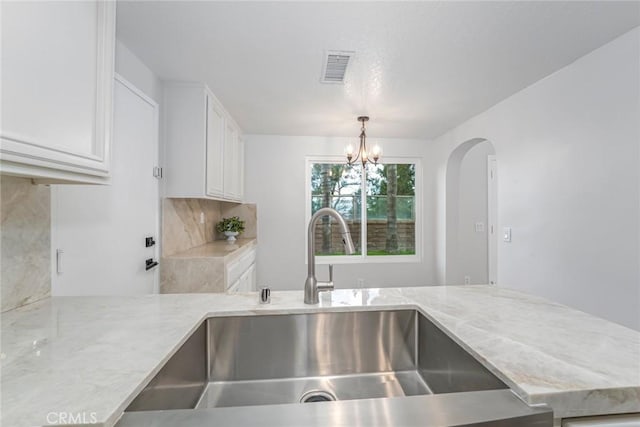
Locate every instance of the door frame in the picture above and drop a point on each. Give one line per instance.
(492, 219)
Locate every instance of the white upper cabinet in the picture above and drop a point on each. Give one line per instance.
(57, 88)
(215, 148)
(231, 163)
(203, 154)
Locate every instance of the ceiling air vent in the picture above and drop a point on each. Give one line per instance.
(335, 66)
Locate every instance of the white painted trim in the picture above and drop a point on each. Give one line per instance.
(118, 77)
(492, 219)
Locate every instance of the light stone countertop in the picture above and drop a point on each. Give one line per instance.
(92, 355)
(216, 249)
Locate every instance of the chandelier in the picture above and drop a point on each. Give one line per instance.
(362, 154)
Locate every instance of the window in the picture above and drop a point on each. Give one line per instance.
(379, 203)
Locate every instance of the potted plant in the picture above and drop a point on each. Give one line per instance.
(231, 227)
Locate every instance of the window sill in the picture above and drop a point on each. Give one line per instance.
(372, 259)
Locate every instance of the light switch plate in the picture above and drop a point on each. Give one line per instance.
(479, 227)
(506, 234)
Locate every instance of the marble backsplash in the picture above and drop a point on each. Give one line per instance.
(25, 242)
(182, 228)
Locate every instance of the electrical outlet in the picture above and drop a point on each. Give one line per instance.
(360, 283)
(201, 217)
(506, 234)
(59, 253)
(467, 280)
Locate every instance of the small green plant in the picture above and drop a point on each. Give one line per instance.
(230, 224)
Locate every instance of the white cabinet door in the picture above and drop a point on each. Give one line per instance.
(240, 273)
(252, 278)
(102, 229)
(231, 163)
(57, 83)
(202, 145)
(242, 287)
(247, 280)
(241, 168)
(185, 133)
(215, 148)
(235, 286)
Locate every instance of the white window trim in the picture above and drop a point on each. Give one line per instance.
(366, 259)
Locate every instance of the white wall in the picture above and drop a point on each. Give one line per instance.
(567, 151)
(275, 180)
(129, 66)
(472, 248)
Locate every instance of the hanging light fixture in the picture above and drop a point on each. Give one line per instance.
(362, 154)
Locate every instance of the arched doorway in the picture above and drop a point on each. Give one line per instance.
(471, 213)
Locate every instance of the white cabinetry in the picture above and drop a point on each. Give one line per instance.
(241, 273)
(232, 167)
(203, 153)
(57, 88)
(215, 148)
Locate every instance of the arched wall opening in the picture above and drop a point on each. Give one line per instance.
(471, 207)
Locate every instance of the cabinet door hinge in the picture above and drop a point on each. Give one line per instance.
(157, 172)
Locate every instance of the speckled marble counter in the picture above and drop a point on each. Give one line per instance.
(202, 268)
(92, 355)
(217, 249)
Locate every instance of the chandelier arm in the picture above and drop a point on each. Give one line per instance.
(362, 149)
(363, 146)
(354, 160)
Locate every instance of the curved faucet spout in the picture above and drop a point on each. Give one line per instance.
(312, 287)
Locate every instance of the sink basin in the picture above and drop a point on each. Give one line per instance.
(232, 363)
(275, 359)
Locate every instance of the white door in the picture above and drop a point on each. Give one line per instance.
(492, 215)
(101, 230)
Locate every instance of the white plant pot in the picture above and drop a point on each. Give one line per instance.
(231, 235)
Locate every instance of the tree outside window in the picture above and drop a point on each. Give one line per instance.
(388, 192)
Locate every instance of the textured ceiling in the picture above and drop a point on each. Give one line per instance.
(420, 68)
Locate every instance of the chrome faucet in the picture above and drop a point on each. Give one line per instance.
(312, 287)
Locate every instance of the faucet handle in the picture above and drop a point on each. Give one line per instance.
(331, 273)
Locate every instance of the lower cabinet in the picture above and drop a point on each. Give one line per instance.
(246, 282)
(241, 273)
(210, 268)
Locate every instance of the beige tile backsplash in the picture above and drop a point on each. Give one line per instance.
(183, 230)
(25, 239)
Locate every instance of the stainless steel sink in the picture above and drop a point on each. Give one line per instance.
(241, 361)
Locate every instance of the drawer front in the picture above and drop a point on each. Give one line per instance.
(238, 267)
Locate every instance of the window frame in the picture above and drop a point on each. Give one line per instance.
(364, 258)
